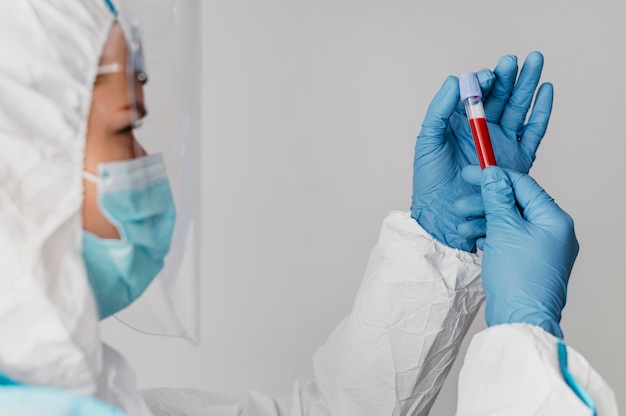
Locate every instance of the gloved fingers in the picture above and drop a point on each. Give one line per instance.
(505, 73)
(486, 78)
(537, 124)
(439, 112)
(480, 243)
(472, 229)
(498, 196)
(540, 210)
(516, 109)
(538, 207)
(470, 206)
(472, 174)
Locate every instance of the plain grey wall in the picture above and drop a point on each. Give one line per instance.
(310, 112)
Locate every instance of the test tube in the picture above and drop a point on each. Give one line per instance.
(471, 95)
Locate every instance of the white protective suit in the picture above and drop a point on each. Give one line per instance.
(388, 357)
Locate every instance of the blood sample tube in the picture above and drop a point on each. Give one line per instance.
(471, 95)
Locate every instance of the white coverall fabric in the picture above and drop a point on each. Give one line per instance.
(48, 320)
(49, 324)
(415, 304)
(390, 356)
(514, 370)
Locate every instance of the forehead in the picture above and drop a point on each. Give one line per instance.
(116, 48)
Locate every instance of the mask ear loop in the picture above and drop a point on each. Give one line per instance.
(110, 69)
(88, 176)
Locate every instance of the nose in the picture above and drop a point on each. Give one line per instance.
(139, 150)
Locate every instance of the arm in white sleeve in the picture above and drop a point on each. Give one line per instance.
(514, 370)
(391, 355)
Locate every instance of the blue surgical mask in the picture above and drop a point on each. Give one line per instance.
(135, 196)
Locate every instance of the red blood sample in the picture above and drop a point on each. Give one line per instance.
(482, 141)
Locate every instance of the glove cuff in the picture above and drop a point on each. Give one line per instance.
(438, 219)
(500, 312)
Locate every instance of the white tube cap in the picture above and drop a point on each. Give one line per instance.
(469, 86)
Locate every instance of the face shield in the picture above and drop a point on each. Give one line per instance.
(162, 73)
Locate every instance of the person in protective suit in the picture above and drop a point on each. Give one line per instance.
(87, 215)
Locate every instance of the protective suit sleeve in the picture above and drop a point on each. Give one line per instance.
(117, 384)
(391, 355)
(514, 369)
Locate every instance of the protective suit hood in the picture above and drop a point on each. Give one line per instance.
(48, 316)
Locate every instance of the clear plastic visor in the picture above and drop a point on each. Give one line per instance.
(162, 73)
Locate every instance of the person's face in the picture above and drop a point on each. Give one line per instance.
(110, 127)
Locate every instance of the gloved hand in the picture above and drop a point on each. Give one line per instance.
(445, 144)
(26, 400)
(528, 256)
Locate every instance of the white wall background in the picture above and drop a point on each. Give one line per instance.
(310, 112)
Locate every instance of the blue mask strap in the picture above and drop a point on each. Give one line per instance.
(571, 382)
(111, 7)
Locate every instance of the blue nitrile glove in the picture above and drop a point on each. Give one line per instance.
(445, 144)
(527, 258)
(25, 400)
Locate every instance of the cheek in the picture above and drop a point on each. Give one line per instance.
(99, 147)
(93, 219)
(104, 144)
